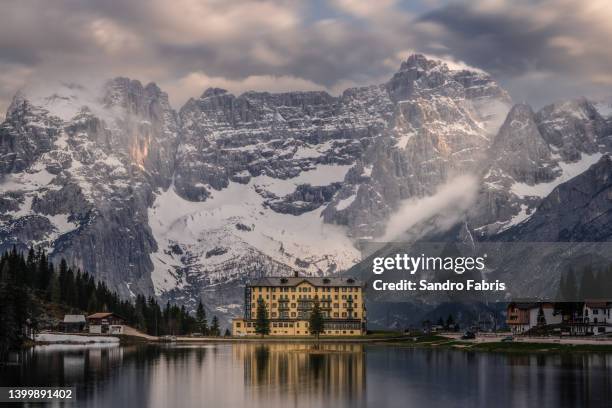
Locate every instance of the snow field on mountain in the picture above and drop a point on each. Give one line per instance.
(283, 237)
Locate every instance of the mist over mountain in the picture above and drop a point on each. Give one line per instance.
(190, 204)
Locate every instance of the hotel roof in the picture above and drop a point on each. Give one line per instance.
(294, 281)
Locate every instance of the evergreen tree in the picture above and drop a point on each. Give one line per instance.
(92, 304)
(227, 333)
(262, 323)
(18, 308)
(26, 280)
(316, 324)
(63, 277)
(53, 289)
(43, 273)
(186, 325)
(201, 323)
(450, 322)
(541, 318)
(70, 288)
(215, 330)
(31, 274)
(440, 322)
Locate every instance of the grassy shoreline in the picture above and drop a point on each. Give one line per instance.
(397, 339)
(434, 341)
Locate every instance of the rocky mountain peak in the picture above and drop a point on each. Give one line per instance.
(421, 62)
(520, 123)
(132, 96)
(19, 102)
(213, 92)
(421, 76)
(572, 127)
(520, 150)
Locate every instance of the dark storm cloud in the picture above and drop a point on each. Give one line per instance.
(542, 50)
(498, 43)
(539, 50)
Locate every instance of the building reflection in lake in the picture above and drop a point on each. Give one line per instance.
(275, 375)
(319, 371)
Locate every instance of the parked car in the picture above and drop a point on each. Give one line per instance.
(507, 339)
(468, 335)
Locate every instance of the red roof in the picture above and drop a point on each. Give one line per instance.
(100, 315)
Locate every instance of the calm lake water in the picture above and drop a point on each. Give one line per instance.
(306, 375)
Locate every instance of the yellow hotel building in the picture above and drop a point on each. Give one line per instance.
(289, 301)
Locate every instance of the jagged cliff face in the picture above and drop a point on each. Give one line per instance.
(532, 154)
(78, 174)
(442, 123)
(192, 203)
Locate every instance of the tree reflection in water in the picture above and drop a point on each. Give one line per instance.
(309, 375)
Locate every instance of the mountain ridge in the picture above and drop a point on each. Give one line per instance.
(227, 188)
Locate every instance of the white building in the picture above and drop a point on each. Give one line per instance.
(597, 316)
(522, 317)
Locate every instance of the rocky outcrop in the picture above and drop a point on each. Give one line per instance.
(533, 153)
(578, 210)
(27, 132)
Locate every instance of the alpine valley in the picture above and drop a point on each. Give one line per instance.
(191, 204)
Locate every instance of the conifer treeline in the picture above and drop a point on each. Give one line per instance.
(26, 283)
(588, 283)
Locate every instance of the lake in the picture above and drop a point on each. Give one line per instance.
(307, 375)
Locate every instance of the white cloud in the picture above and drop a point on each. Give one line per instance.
(450, 202)
(196, 21)
(12, 78)
(195, 83)
(364, 8)
(286, 42)
(113, 38)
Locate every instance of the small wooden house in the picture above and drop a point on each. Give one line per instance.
(106, 323)
(73, 323)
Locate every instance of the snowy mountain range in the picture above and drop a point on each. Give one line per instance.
(193, 203)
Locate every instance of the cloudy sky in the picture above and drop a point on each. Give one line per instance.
(540, 50)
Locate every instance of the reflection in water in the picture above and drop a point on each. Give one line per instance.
(325, 372)
(308, 375)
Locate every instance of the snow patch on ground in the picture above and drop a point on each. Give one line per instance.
(62, 224)
(74, 338)
(604, 107)
(568, 171)
(322, 175)
(26, 181)
(345, 203)
(403, 140)
(203, 226)
(518, 218)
